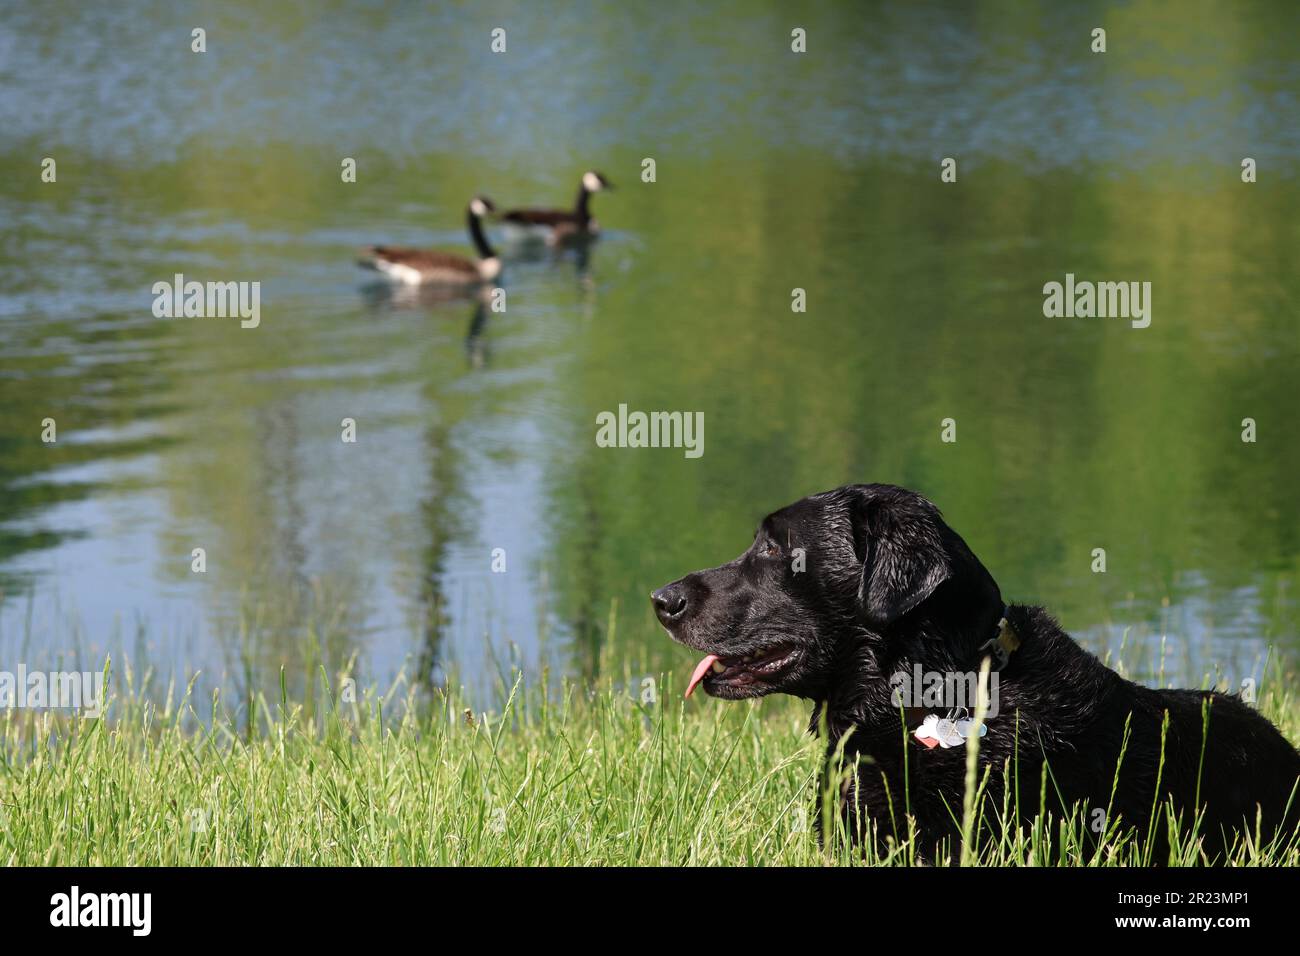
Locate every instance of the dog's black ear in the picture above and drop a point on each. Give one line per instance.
(899, 536)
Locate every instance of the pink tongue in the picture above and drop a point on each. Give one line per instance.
(701, 669)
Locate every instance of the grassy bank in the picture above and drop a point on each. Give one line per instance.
(583, 778)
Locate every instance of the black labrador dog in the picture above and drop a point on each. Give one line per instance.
(863, 600)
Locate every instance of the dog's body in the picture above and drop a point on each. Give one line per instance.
(844, 591)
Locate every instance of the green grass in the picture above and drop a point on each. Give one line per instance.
(586, 777)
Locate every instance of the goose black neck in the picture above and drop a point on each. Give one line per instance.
(479, 238)
(582, 210)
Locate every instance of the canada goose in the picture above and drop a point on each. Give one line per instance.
(419, 266)
(556, 226)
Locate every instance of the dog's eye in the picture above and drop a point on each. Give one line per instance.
(770, 549)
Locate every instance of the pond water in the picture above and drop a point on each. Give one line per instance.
(476, 430)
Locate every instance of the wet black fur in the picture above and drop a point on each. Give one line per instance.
(886, 585)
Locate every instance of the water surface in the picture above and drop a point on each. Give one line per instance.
(477, 430)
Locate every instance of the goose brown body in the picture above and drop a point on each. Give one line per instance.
(558, 226)
(420, 266)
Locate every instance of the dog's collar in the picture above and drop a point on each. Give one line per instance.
(930, 729)
(1002, 645)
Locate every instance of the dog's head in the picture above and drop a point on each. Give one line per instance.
(829, 571)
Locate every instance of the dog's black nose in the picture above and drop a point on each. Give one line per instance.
(670, 602)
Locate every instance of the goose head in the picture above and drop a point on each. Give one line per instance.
(594, 182)
(480, 206)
